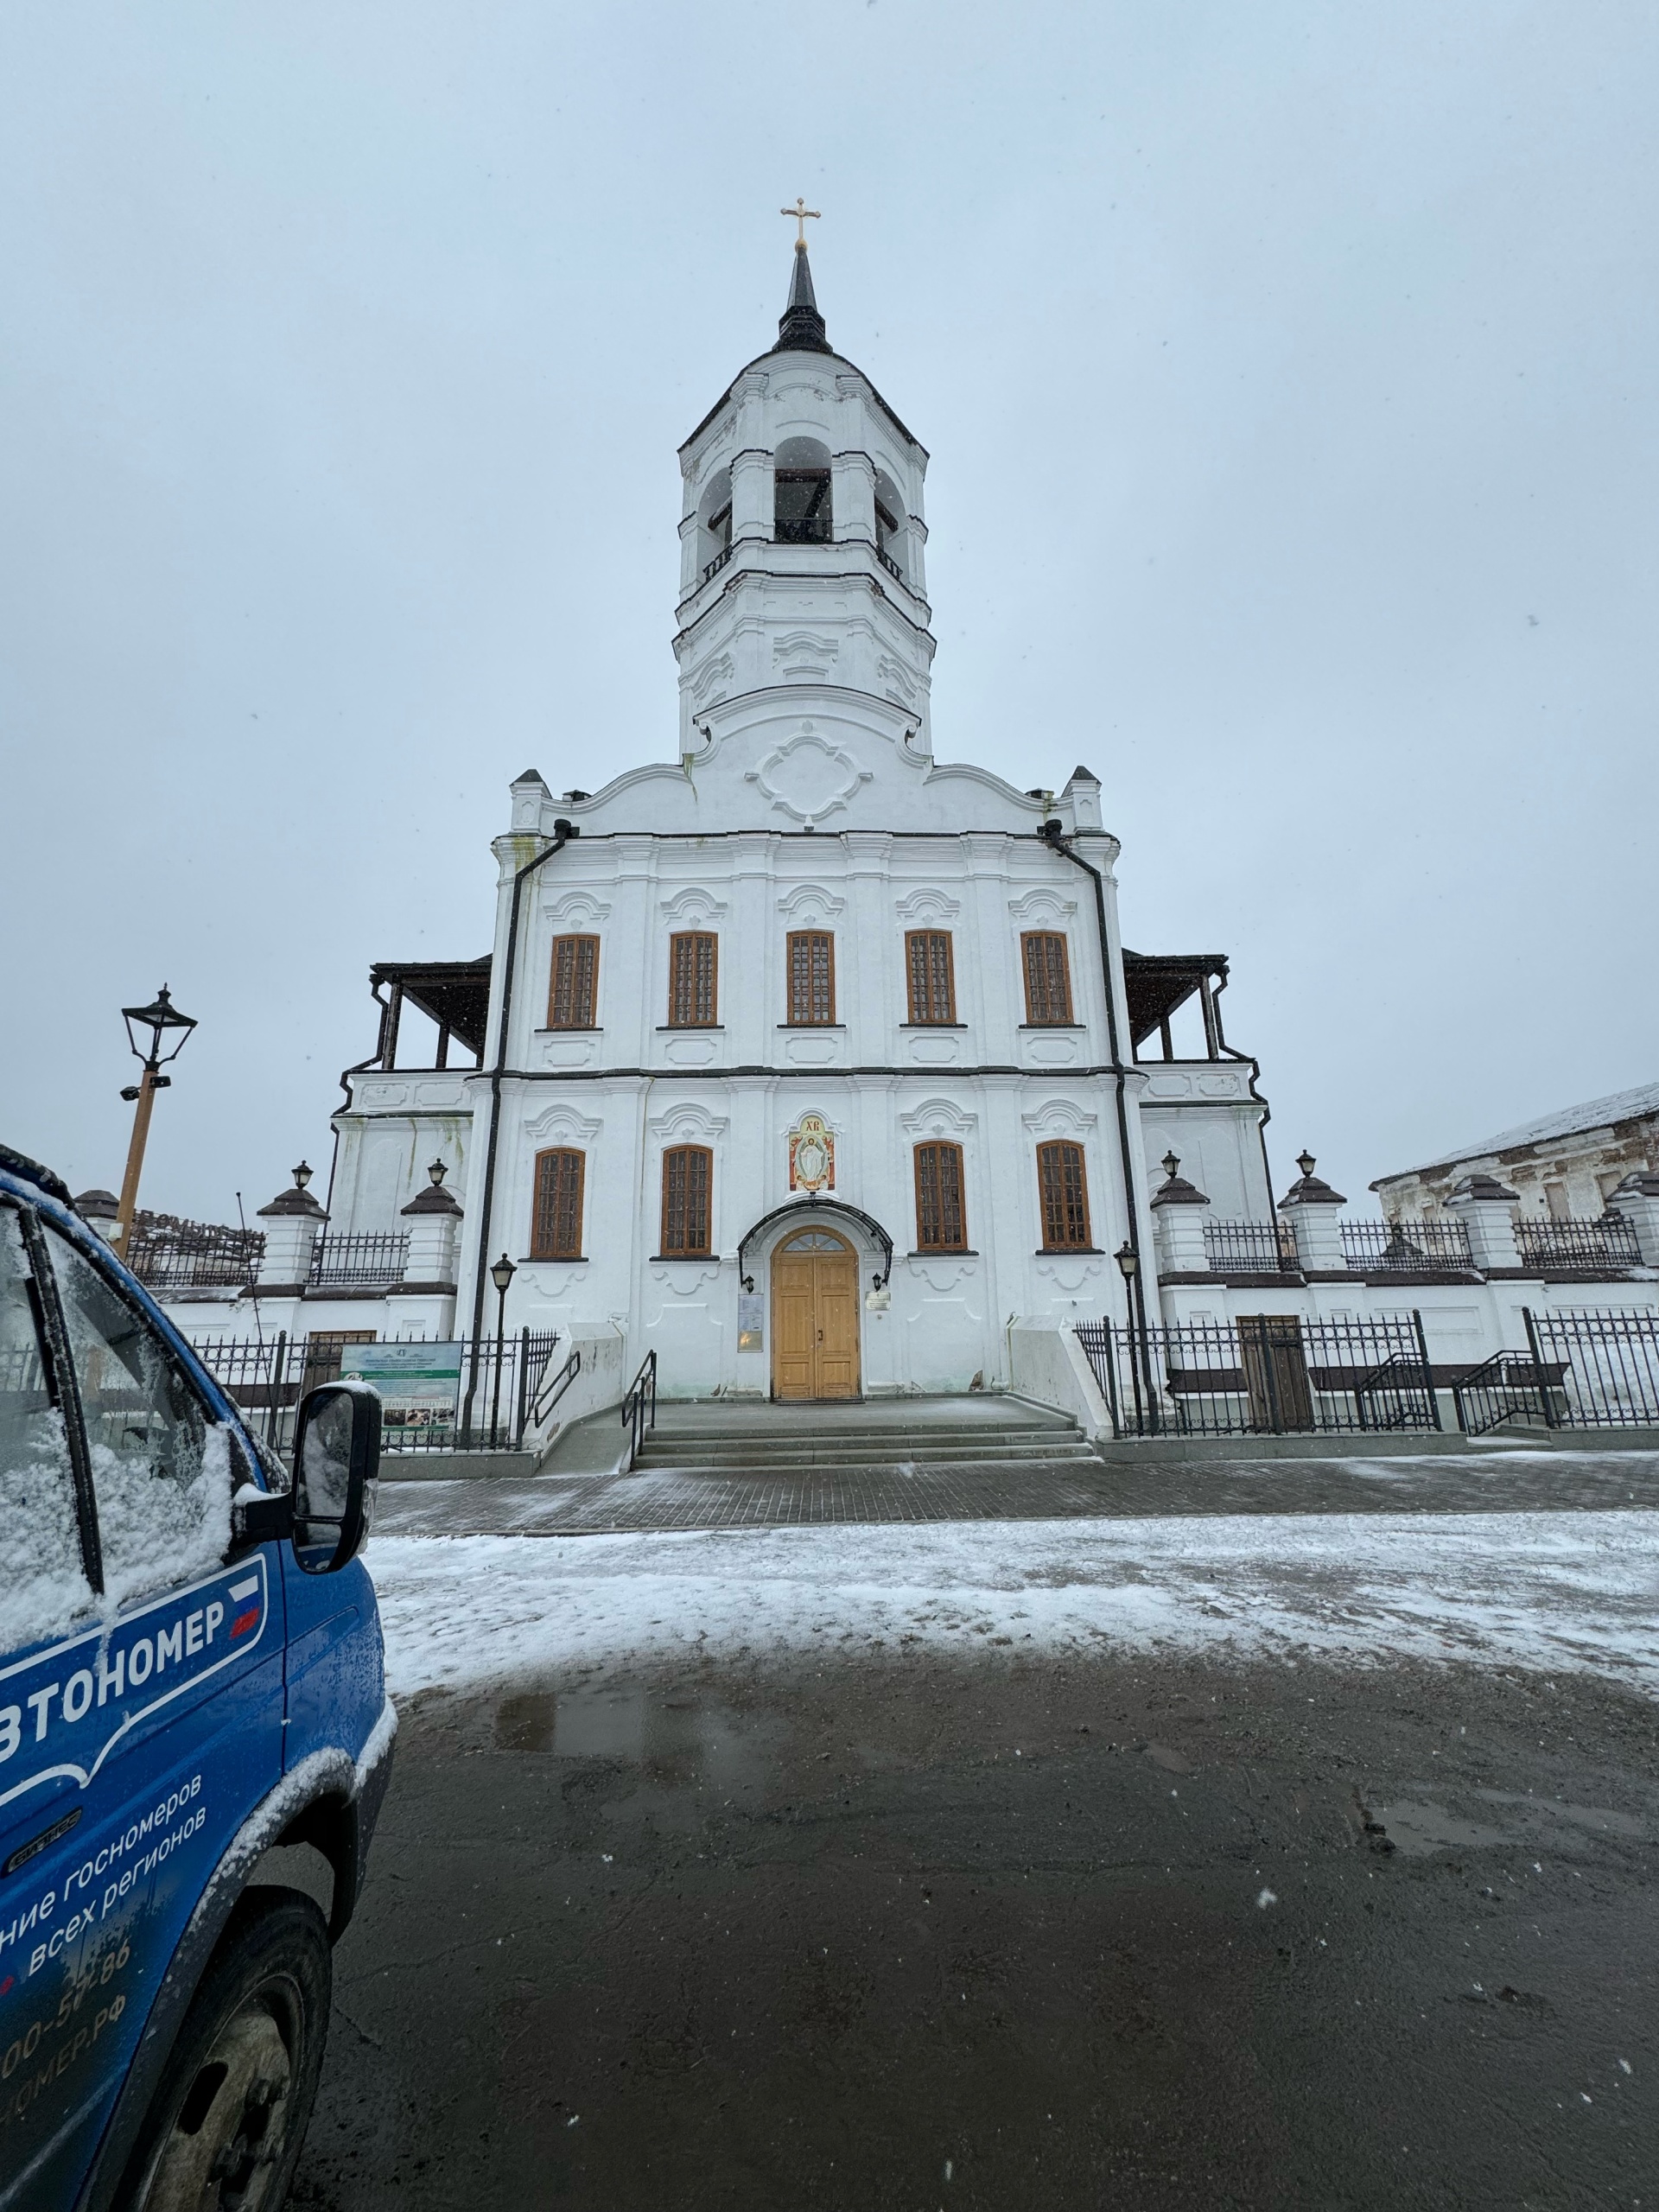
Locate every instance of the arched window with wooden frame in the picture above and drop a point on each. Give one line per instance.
(941, 1215)
(1048, 979)
(688, 1217)
(1062, 1191)
(811, 962)
(931, 978)
(693, 979)
(573, 983)
(555, 1219)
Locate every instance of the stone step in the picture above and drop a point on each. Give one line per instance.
(894, 1437)
(883, 1470)
(757, 1458)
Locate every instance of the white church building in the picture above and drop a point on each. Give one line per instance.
(805, 1059)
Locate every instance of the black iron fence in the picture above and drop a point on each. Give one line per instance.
(1406, 1247)
(371, 1262)
(1589, 1368)
(1589, 1245)
(1249, 1247)
(1267, 1374)
(459, 1394)
(169, 1254)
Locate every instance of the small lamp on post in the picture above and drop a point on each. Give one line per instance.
(157, 1033)
(501, 1276)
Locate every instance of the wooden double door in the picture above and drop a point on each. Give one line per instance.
(815, 1317)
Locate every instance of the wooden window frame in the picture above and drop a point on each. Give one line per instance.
(683, 982)
(583, 991)
(1052, 1202)
(933, 1209)
(922, 1011)
(680, 1156)
(546, 1208)
(1040, 995)
(799, 1004)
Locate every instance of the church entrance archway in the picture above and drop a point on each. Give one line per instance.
(815, 1317)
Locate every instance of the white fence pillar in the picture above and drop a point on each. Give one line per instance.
(1486, 1208)
(292, 1222)
(433, 1221)
(1637, 1200)
(1310, 1206)
(1180, 1211)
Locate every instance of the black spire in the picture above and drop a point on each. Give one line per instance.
(800, 326)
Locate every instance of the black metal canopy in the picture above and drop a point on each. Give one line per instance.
(1156, 984)
(455, 994)
(805, 1208)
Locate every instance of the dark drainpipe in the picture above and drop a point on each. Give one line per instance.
(562, 832)
(1052, 834)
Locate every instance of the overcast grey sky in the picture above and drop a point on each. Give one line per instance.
(1288, 373)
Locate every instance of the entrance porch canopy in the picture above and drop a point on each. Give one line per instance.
(806, 1209)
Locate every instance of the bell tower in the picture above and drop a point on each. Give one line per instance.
(802, 576)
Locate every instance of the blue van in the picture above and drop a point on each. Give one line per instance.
(191, 1685)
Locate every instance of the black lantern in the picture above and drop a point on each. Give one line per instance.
(163, 1019)
(502, 1274)
(1128, 1259)
(1306, 1162)
(435, 1174)
(1171, 1161)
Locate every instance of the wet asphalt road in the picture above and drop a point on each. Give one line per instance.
(934, 1934)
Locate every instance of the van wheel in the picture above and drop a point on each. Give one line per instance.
(229, 2116)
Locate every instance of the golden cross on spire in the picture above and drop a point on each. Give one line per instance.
(801, 214)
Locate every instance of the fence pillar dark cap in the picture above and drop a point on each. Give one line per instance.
(1641, 1183)
(433, 1199)
(1178, 1191)
(1081, 775)
(1484, 1186)
(1311, 1190)
(295, 1200)
(98, 1205)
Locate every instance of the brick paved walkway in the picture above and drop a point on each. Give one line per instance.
(1487, 1482)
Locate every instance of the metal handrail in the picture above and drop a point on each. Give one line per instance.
(1509, 1386)
(641, 1391)
(550, 1392)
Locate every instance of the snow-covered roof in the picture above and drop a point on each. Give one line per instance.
(1595, 1114)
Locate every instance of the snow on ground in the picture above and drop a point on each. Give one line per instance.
(1553, 1591)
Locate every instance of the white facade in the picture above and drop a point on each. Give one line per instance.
(806, 798)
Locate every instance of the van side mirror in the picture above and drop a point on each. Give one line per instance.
(336, 1456)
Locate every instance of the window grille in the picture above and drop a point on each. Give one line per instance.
(1063, 1188)
(555, 1226)
(941, 1221)
(687, 1173)
(571, 994)
(812, 977)
(692, 998)
(930, 971)
(1048, 978)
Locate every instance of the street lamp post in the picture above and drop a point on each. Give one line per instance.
(162, 1020)
(1129, 1261)
(501, 1276)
